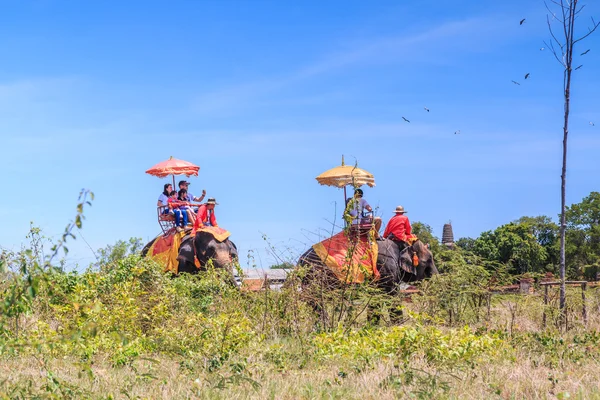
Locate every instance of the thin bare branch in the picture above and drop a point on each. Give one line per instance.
(551, 45)
(591, 30)
(560, 4)
(554, 36)
(553, 51)
(551, 12)
(565, 24)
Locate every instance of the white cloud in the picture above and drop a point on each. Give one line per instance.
(437, 45)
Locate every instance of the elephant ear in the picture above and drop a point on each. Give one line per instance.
(200, 248)
(406, 262)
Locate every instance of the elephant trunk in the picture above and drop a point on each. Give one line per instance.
(433, 269)
(222, 258)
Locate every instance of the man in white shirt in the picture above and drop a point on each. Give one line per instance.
(355, 208)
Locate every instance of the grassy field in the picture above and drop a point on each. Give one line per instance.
(125, 330)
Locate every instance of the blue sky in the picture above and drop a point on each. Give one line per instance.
(266, 95)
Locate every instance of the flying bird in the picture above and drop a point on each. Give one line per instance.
(585, 52)
(405, 119)
(521, 21)
(591, 123)
(578, 67)
(541, 49)
(516, 83)
(457, 132)
(527, 75)
(426, 109)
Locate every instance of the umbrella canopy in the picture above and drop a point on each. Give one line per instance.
(173, 166)
(345, 175)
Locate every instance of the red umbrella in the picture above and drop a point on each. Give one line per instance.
(173, 167)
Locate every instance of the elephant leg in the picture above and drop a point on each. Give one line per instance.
(186, 257)
(188, 267)
(396, 315)
(374, 315)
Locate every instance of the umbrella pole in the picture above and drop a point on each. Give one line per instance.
(173, 181)
(344, 203)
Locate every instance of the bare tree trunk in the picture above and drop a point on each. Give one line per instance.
(568, 10)
(568, 59)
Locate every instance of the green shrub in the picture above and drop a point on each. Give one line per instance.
(456, 348)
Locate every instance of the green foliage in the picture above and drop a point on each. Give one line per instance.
(513, 244)
(531, 244)
(542, 227)
(456, 349)
(425, 234)
(460, 293)
(585, 214)
(283, 265)
(120, 250)
(466, 244)
(123, 316)
(554, 350)
(590, 272)
(18, 288)
(24, 271)
(583, 234)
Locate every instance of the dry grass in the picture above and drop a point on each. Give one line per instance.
(188, 339)
(166, 379)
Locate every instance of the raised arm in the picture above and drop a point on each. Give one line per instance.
(201, 197)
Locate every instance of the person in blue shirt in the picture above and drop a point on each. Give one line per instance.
(190, 197)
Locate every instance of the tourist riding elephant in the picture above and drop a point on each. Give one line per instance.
(204, 247)
(394, 266)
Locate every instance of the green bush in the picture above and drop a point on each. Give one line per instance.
(452, 349)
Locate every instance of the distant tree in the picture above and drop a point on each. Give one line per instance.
(512, 244)
(283, 265)
(568, 11)
(585, 214)
(542, 227)
(118, 251)
(583, 234)
(546, 233)
(425, 235)
(466, 243)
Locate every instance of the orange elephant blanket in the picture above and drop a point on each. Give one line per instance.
(218, 233)
(165, 250)
(352, 258)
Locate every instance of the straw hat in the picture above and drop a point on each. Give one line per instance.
(211, 200)
(400, 210)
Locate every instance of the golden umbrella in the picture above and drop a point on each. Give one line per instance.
(344, 175)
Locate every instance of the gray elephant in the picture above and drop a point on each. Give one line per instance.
(395, 266)
(204, 247)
